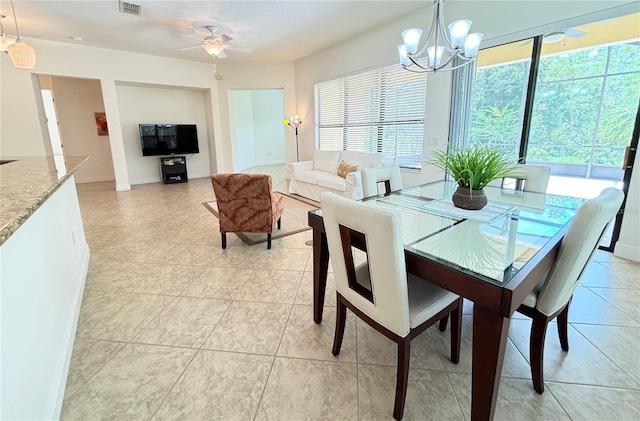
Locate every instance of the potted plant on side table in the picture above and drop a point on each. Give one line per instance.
(472, 169)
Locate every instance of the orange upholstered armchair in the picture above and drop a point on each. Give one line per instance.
(246, 203)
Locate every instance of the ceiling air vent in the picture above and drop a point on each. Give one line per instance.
(130, 8)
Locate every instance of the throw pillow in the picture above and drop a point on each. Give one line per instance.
(344, 169)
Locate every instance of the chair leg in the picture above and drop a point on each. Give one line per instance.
(563, 321)
(402, 378)
(279, 222)
(224, 240)
(269, 241)
(456, 332)
(536, 350)
(443, 323)
(341, 317)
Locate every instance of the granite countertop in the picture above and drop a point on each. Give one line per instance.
(25, 184)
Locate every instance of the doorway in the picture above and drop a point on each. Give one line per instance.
(256, 129)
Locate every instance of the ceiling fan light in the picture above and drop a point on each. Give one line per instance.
(22, 55)
(213, 49)
(553, 37)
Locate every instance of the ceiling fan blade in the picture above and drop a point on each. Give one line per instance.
(190, 37)
(575, 33)
(221, 55)
(224, 38)
(239, 49)
(190, 48)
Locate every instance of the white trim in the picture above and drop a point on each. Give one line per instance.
(627, 252)
(563, 24)
(95, 179)
(124, 187)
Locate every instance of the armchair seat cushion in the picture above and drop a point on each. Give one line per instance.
(332, 181)
(309, 177)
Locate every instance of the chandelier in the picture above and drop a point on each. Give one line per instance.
(441, 47)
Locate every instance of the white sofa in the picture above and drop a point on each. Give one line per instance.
(310, 178)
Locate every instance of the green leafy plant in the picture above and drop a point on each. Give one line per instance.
(474, 167)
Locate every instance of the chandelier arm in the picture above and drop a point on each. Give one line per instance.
(448, 69)
(417, 64)
(443, 32)
(423, 71)
(432, 30)
(445, 63)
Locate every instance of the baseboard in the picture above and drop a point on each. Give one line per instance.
(81, 180)
(627, 252)
(123, 187)
(146, 181)
(71, 331)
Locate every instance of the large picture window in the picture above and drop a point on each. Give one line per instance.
(380, 110)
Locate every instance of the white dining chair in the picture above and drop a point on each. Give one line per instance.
(536, 177)
(388, 174)
(379, 291)
(552, 297)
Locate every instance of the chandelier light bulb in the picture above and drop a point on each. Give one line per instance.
(402, 52)
(411, 38)
(472, 44)
(435, 55)
(459, 30)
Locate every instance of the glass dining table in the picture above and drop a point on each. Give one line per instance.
(493, 257)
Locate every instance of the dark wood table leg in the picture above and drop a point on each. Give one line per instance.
(320, 268)
(489, 342)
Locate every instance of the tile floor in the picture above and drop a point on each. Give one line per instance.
(173, 327)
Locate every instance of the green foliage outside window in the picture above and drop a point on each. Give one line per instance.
(584, 106)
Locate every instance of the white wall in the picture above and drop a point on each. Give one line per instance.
(76, 101)
(154, 105)
(255, 125)
(254, 76)
(241, 128)
(21, 125)
(268, 130)
(628, 245)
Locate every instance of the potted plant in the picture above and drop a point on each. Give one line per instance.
(472, 169)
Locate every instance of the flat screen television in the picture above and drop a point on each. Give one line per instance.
(167, 139)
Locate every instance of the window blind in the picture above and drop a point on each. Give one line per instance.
(380, 110)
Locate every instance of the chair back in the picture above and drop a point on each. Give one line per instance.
(536, 176)
(244, 202)
(582, 239)
(378, 287)
(389, 174)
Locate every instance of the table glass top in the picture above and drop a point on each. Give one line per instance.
(491, 244)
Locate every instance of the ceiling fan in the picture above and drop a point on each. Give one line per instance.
(557, 36)
(215, 43)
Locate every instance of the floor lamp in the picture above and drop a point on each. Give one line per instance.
(294, 121)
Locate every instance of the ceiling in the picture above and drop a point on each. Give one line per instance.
(275, 30)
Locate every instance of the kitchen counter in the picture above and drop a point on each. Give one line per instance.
(25, 184)
(45, 261)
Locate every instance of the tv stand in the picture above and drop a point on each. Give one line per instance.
(174, 169)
